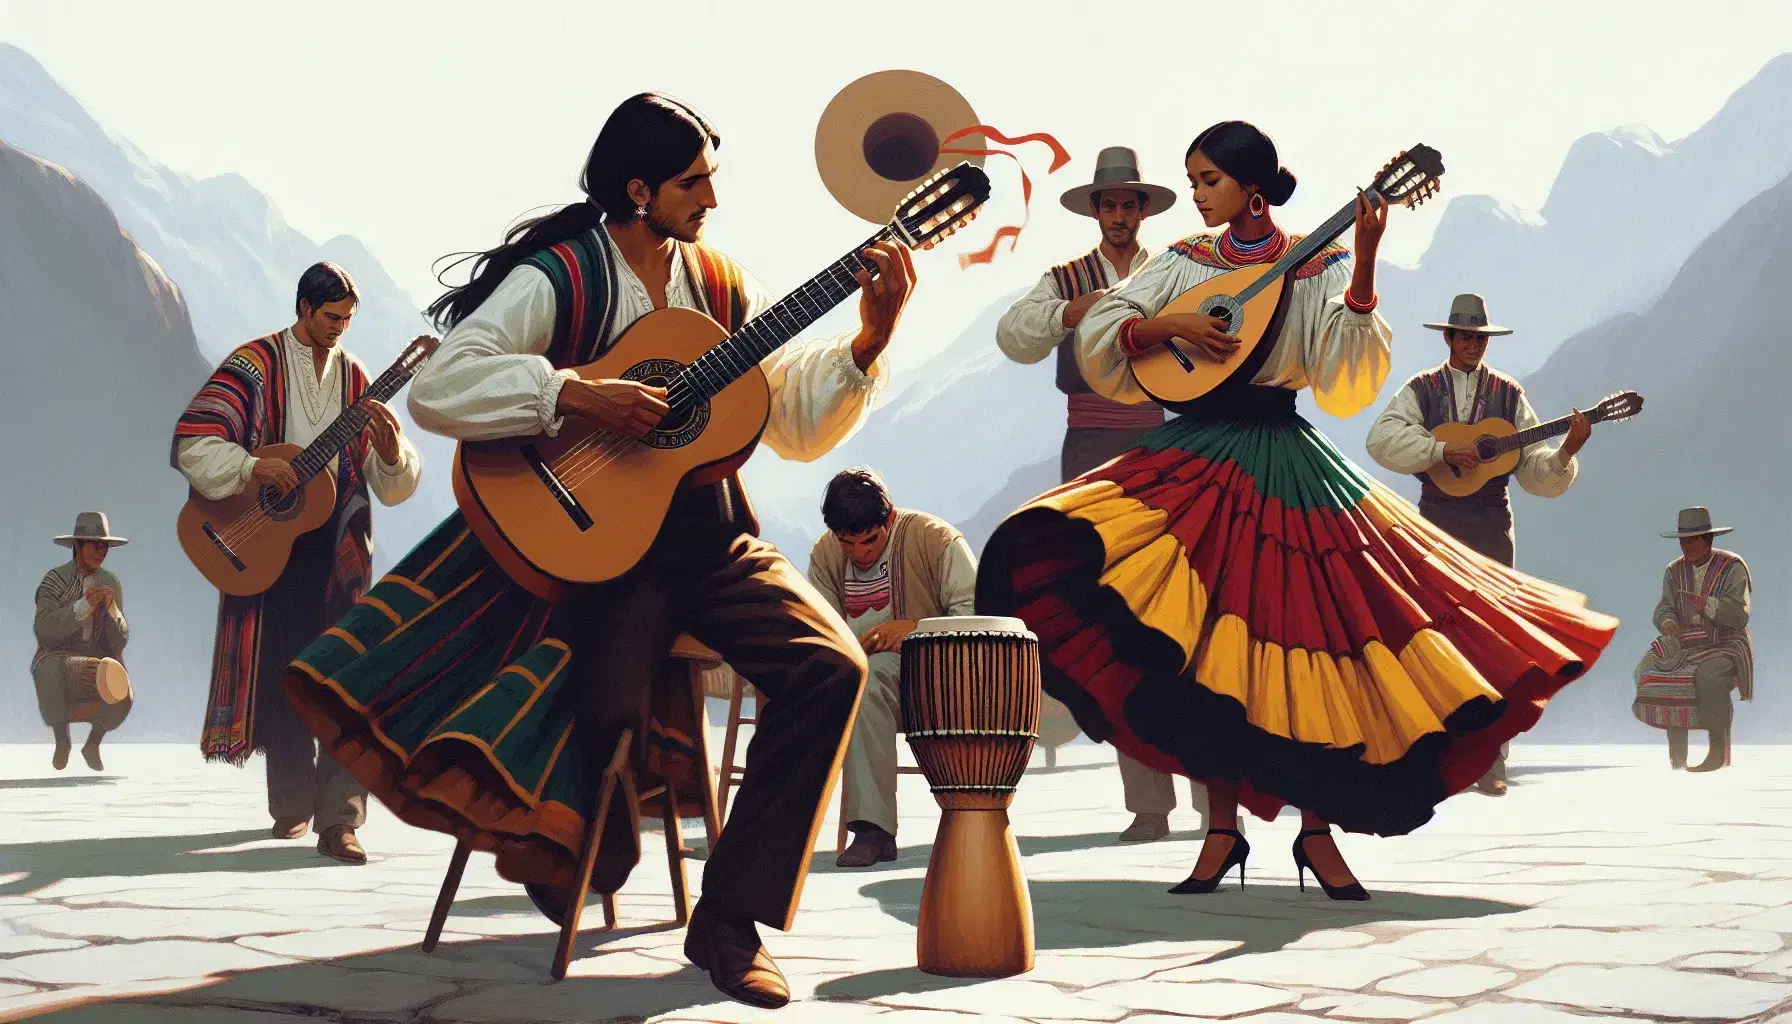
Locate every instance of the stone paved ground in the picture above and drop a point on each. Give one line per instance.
(1603, 887)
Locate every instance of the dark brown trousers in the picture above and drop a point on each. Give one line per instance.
(740, 597)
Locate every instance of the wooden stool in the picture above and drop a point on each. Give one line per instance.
(738, 689)
(618, 772)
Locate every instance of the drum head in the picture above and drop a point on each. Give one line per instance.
(971, 624)
(114, 684)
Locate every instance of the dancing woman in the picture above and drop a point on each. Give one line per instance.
(1233, 599)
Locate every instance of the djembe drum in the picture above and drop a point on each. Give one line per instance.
(92, 684)
(970, 709)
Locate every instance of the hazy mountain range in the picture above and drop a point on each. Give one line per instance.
(968, 435)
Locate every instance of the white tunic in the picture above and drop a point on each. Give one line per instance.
(1324, 345)
(489, 379)
(1034, 326)
(1400, 442)
(218, 468)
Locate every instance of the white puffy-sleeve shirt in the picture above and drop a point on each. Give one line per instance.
(490, 379)
(1342, 355)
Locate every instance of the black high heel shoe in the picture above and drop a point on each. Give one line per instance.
(1304, 864)
(1235, 857)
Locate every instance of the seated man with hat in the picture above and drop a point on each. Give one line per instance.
(1043, 322)
(80, 614)
(1684, 682)
(1466, 390)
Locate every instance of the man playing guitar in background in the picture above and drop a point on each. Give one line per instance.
(1466, 390)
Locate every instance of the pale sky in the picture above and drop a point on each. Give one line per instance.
(425, 128)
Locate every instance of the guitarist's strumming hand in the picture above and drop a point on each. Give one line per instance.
(1462, 455)
(382, 432)
(1207, 334)
(619, 406)
(277, 472)
(881, 300)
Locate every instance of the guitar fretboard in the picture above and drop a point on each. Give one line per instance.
(1306, 248)
(1541, 432)
(760, 337)
(346, 426)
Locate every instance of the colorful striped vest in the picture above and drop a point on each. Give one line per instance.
(1076, 279)
(1497, 398)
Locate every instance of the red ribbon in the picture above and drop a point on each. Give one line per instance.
(1011, 231)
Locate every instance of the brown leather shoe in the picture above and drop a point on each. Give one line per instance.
(59, 758)
(339, 842)
(91, 754)
(290, 828)
(871, 846)
(738, 965)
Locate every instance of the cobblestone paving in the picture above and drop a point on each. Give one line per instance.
(1603, 886)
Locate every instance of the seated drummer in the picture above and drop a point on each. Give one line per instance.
(80, 613)
(883, 569)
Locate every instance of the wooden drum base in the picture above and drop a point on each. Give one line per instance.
(976, 917)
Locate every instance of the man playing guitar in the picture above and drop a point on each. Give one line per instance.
(1466, 390)
(557, 295)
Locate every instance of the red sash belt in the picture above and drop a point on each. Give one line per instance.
(1093, 412)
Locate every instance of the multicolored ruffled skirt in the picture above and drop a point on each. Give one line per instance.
(1236, 600)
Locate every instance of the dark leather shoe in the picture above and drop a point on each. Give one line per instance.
(290, 828)
(91, 754)
(59, 758)
(871, 846)
(339, 843)
(737, 963)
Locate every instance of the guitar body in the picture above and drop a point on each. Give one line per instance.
(1169, 379)
(583, 507)
(1460, 483)
(241, 544)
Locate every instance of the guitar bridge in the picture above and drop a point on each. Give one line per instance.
(212, 535)
(1187, 366)
(568, 504)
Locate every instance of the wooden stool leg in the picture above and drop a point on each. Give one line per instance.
(445, 899)
(729, 736)
(712, 819)
(681, 900)
(609, 901)
(594, 830)
(840, 846)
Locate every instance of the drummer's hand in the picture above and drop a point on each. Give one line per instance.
(98, 597)
(1670, 628)
(887, 637)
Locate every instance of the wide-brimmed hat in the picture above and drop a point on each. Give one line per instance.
(1696, 522)
(1468, 312)
(91, 526)
(1116, 167)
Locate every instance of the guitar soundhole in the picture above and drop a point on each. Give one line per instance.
(685, 422)
(1225, 307)
(281, 508)
(1484, 447)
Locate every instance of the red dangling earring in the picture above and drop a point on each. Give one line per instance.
(1257, 206)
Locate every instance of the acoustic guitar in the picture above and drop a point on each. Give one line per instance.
(241, 544)
(1500, 444)
(1247, 298)
(583, 506)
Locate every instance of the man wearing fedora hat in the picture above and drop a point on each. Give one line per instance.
(1043, 322)
(1466, 390)
(1704, 652)
(80, 613)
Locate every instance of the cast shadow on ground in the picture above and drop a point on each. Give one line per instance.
(1109, 914)
(61, 782)
(1555, 769)
(44, 864)
(482, 979)
(918, 855)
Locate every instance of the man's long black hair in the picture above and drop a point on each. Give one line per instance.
(649, 136)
